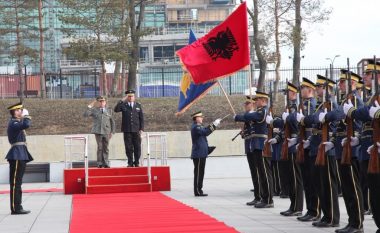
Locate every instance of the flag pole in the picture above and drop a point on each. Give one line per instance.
(228, 99)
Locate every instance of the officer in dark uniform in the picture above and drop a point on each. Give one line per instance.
(325, 176)
(200, 149)
(349, 173)
(368, 180)
(246, 135)
(306, 167)
(132, 126)
(258, 137)
(276, 145)
(293, 174)
(18, 155)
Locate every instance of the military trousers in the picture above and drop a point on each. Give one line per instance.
(16, 173)
(253, 168)
(374, 190)
(265, 176)
(276, 177)
(199, 172)
(295, 184)
(327, 187)
(102, 152)
(284, 168)
(363, 169)
(352, 193)
(309, 179)
(132, 143)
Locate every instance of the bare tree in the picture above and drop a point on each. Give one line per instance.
(41, 31)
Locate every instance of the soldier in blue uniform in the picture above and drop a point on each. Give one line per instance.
(308, 166)
(200, 149)
(363, 114)
(252, 162)
(349, 173)
(325, 177)
(276, 145)
(18, 155)
(293, 174)
(132, 126)
(258, 137)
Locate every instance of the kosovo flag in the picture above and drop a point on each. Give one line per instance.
(190, 92)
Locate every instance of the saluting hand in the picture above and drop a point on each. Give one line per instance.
(25, 112)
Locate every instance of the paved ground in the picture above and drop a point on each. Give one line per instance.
(51, 211)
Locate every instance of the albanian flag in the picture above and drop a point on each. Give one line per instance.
(223, 51)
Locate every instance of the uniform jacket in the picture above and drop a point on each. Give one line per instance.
(276, 148)
(199, 135)
(247, 131)
(132, 118)
(292, 123)
(16, 134)
(103, 120)
(366, 140)
(312, 121)
(337, 115)
(260, 130)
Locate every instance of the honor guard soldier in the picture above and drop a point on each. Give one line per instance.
(369, 180)
(325, 174)
(276, 145)
(132, 126)
(307, 163)
(103, 128)
(200, 149)
(349, 173)
(258, 137)
(252, 160)
(293, 174)
(18, 155)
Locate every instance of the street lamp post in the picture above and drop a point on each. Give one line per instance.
(332, 64)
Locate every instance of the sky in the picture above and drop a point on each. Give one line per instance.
(353, 31)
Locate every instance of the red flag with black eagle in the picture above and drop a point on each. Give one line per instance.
(223, 51)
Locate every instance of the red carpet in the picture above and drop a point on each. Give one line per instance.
(50, 190)
(137, 213)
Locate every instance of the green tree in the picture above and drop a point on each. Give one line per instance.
(16, 19)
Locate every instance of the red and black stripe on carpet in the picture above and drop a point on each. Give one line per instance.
(139, 212)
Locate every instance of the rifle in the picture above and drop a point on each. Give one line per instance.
(284, 147)
(237, 135)
(300, 158)
(373, 164)
(321, 159)
(267, 146)
(347, 152)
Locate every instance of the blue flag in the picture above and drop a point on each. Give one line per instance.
(190, 92)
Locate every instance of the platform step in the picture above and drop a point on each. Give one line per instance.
(118, 171)
(125, 188)
(110, 180)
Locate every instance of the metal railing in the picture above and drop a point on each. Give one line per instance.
(76, 145)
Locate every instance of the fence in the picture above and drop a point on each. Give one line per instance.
(151, 83)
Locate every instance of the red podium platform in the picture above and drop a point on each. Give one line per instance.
(116, 180)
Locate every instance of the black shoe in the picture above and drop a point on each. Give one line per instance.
(130, 165)
(323, 223)
(254, 202)
(276, 194)
(342, 230)
(285, 212)
(252, 190)
(293, 213)
(201, 195)
(106, 166)
(378, 231)
(284, 195)
(308, 218)
(99, 166)
(17, 212)
(350, 229)
(136, 165)
(262, 205)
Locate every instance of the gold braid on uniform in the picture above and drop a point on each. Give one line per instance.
(377, 114)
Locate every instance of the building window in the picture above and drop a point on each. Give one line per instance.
(144, 54)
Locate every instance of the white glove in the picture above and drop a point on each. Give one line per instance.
(328, 146)
(285, 115)
(234, 116)
(354, 141)
(347, 107)
(25, 112)
(292, 142)
(272, 141)
(343, 141)
(322, 115)
(269, 118)
(217, 122)
(371, 147)
(306, 144)
(374, 109)
(300, 116)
